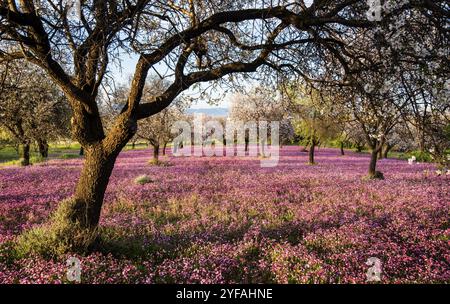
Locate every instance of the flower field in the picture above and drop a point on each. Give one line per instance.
(227, 220)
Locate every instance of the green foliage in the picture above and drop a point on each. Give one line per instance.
(8, 154)
(421, 156)
(5, 138)
(316, 117)
(137, 146)
(37, 159)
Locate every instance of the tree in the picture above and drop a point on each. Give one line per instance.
(376, 116)
(287, 131)
(343, 140)
(261, 104)
(31, 109)
(208, 41)
(400, 139)
(428, 114)
(157, 129)
(356, 136)
(316, 117)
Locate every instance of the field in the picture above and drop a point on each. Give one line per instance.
(227, 220)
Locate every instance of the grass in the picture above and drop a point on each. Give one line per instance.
(58, 236)
(9, 156)
(137, 146)
(34, 159)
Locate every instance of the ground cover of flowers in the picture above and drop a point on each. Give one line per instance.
(227, 220)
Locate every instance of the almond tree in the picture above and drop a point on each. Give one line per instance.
(196, 41)
(428, 115)
(157, 129)
(316, 117)
(383, 92)
(261, 104)
(31, 109)
(355, 136)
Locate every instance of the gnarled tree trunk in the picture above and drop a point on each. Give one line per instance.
(76, 218)
(342, 149)
(91, 186)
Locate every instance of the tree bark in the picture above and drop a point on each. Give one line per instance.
(91, 186)
(386, 151)
(81, 151)
(25, 157)
(164, 149)
(373, 163)
(373, 173)
(311, 153)
(342, 149)
(43, 148)
(155, 153)
(100, 153)
(422, 141)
